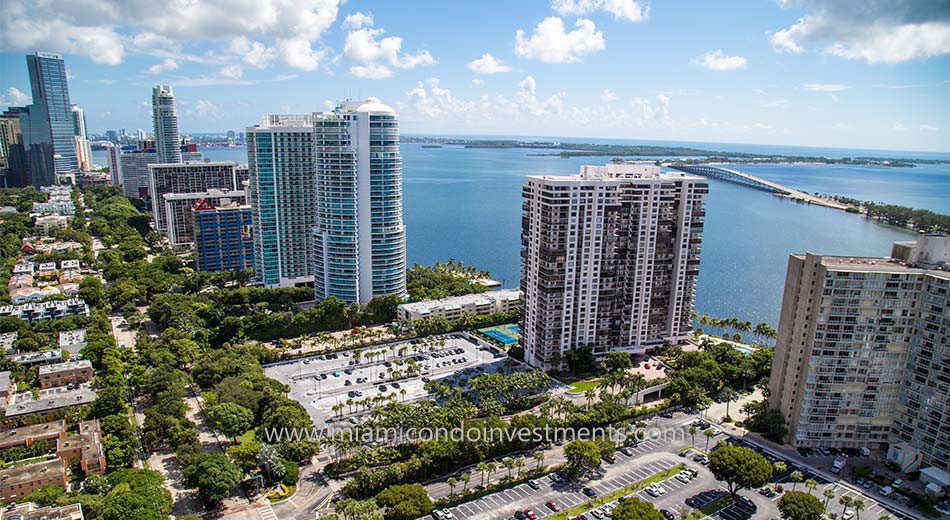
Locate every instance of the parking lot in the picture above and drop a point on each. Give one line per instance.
(505, 503)
(342, 386)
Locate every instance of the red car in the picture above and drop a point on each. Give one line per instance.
(530, 514)
(552, 506)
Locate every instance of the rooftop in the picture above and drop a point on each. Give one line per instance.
(16, 475)
(67, 365)
(72, 337)
(49, 400)
(20, 435)
(466, 299)
(30, 511)
(872, 265)
(619, 172)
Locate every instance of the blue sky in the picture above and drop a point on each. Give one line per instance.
(847, 73)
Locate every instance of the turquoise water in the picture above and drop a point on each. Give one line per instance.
(466, 203)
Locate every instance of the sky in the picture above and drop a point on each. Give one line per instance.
(843, 73)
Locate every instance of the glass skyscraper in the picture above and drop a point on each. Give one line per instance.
(359, 241)
(165, 119)
(281, 192)
(47, 124)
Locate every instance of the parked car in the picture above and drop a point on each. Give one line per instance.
(535, 484)
(886, 490)
(589, 492)
(529, 514)
(552, 506)
(667, 514)
(897, 484)
(627, 451)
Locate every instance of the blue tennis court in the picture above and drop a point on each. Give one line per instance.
(500, 336)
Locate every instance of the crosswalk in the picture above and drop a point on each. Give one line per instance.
(267, 512)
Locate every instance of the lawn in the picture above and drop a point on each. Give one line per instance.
(585, 385)
(246, 436)
(610, 497)
(716, 505)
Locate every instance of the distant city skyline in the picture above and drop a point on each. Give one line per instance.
(793, 72)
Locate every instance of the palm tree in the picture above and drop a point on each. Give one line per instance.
(692, 434)
(539, 456)
(846, 501)
(796, 477)
(482, 468)
(520, 464)
(509, 464)
(780, 467)
(858, 505)
(709, 435)
(829, 494)
(811, 484)
(452, 482)
(884, 517)
(465, 478)
(492, 467)
(590, 394)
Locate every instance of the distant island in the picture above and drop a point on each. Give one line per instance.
(689, 155)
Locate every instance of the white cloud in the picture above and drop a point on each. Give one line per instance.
(929, 128)
(357, 21)
(630, 10)
(253, 53)
(758, 91)
(488, 64)
(825, 87)
(14, 97)
(478, 82)
(233, 71)
(550, 43)
(209, 81)
(778, 103)
(106, 30)
(899, 127)
(371, 71)
(299, 54)
(842, 126)
(164, 66)
(608, 95)
(373, 57)
(884, 31)
(206, 108)
(719, 62)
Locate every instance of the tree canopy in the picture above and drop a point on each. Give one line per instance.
(739, 467)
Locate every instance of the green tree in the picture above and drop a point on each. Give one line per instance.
(244, 455)
(798, 505)
(740, 468)
(213, 475)
(582, 456)
(231, 419)
(796, 477)
(636, 509)
(828, 494)
(404, 502)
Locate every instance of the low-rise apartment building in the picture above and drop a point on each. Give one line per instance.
(84, 448)
(17, 482)
(452, 308)
(27, 435)
(48, 310)
(66, 373)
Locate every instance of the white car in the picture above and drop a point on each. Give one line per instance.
(848, 515)
(897, 484)
(886, 490)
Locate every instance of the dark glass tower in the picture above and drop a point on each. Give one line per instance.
(47, 124)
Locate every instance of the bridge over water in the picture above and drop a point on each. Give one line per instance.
(751, 181)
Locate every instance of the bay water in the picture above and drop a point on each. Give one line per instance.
(465, 203)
